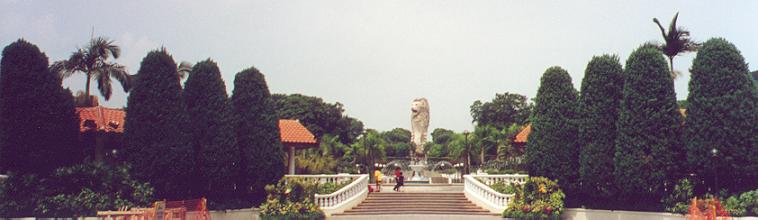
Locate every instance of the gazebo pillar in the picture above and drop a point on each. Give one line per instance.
(291, 161)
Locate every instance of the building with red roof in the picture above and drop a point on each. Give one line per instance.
(101, 130)
(295, 136)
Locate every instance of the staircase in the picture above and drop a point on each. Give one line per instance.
(400, 203)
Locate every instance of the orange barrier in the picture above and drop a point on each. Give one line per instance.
(707, 209)
(194, 209)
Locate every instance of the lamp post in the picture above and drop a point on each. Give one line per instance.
(467, 165)
(714, 154)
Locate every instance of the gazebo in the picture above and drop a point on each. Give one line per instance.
(295, 136)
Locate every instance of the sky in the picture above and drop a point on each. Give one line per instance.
(376, 56)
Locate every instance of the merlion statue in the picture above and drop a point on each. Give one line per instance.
(419, 124)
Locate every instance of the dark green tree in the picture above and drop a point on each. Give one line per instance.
(551, 150)
(154, 130)
(505, 109)
(318, 116)
(648, 145)
(257, 131)
(211, 129)
(38, 124)
(722, 115)
(599, 110)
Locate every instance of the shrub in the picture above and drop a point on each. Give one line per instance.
(722, 114)
(504, 188)
(745, 204)
(78, 190)
(649, 142)
(291, 199)
(538, 198)
(551, 150)
(679, 200)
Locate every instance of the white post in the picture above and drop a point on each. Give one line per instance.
(292, 160)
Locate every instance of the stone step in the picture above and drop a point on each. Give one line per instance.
(418, 208)
(415, 199)
(399, 212)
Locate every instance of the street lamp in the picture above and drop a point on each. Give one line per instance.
(714, 154)
(468, 154)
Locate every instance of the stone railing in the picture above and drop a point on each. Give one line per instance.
(343, 199)
(490, 179)
(326, 178)
(484, 196)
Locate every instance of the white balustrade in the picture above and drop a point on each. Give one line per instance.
(507, 178)
(483, 195)
(343, 199)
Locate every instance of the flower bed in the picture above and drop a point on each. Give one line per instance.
(291, 199)
(538, 198)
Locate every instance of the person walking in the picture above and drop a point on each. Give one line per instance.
(378, 177)
(397, 178)
(400, 182)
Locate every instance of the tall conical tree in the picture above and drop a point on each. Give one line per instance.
(211, 130)
(154, 129)
(551, 150)
(599, 108)
(38, 124)
(258, 143)
(722, 115)
(648, 145)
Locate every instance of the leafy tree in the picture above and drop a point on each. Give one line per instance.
(505, 149)
(369, 149)
(722, 116)
(257, 131)
(505, 109)
(486, 139)
(154, 130)
(599, 110)
(93, 61)
(212, 130)
(38, 124)
(677, 41)
(398, 142)
(551, 150)
(649, 143)
(318, 116)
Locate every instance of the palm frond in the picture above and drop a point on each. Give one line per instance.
(119, 72)
(104, 83)
(102, 48)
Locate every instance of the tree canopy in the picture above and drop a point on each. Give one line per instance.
(318, 116)
(505, 109)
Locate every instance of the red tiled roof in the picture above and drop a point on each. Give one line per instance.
(293, 132)
(101, 118)
(522, 136)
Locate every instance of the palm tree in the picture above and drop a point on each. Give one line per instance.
(677, 41)
(93, 62)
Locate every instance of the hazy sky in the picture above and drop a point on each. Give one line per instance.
(377, 56)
